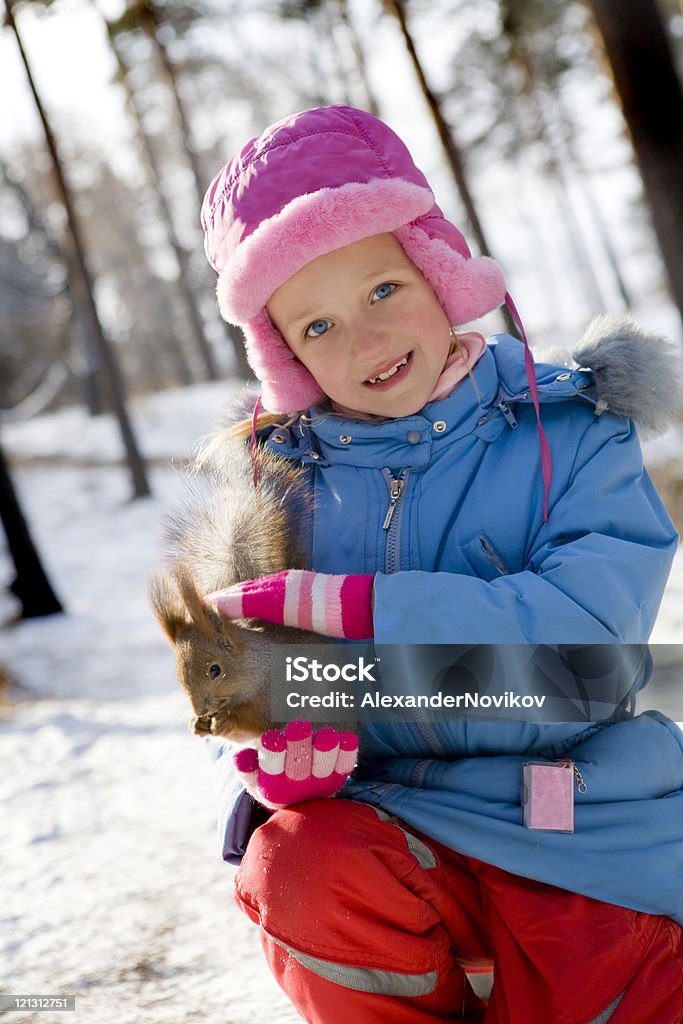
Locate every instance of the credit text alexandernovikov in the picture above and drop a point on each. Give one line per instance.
(343, 699)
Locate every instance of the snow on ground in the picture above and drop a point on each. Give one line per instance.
(112, 887)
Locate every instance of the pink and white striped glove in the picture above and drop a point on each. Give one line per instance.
(296, 765)
(333, 605)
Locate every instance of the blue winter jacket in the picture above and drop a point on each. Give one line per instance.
(468, 558)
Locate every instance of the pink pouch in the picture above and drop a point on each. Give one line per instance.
(548, 796)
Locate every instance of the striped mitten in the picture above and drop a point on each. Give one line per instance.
(296, 765)
(339, 606)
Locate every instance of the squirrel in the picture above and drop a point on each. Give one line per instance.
(239, 518)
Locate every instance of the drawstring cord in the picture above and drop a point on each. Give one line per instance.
(546, 460)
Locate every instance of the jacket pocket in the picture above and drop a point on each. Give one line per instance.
(483, 559)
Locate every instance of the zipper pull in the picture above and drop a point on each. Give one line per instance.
(395, 491)
(507, 413)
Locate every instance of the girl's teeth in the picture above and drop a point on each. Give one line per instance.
(389, 373)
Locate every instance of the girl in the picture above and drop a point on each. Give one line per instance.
(434, 523)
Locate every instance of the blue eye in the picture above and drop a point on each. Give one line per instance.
(318, 328)
(382, 290)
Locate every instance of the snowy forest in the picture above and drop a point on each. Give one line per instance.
(552, 131)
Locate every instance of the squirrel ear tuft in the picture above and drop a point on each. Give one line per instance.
(167, 604)
(210, 623)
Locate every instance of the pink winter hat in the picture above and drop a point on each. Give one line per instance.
(312, 183)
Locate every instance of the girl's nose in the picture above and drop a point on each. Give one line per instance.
(368, 339)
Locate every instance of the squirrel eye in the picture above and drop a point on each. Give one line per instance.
(215, 671)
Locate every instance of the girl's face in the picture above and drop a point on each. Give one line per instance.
(367, 325)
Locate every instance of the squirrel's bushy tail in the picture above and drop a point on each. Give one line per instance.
(240, 516)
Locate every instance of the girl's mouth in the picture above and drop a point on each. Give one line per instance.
(388, 377)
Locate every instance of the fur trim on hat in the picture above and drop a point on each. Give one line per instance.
(309, 226)
(637, 374)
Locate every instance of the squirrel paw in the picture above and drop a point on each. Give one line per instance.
(297, 764)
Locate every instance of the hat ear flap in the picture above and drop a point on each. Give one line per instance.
(287, 386)
(466, 286)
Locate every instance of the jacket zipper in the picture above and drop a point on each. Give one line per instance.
(503, 406)
(395, 491)
(392, 561)
(392, 519)
(507, 413)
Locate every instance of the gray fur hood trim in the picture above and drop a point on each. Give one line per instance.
(637, 374)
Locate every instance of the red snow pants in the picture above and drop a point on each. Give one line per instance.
(365, 921)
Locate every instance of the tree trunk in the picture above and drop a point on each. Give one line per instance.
(234, 337)
(371, 102)
(354, 42)
(194, 316)
(650, 93)
(452, 151)
(30, 584)
(584, 180)
(532, 89)
(145, 15)
(539, 130)
(82, 285)
(88, 347)
(324, 29)
(149, 23)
